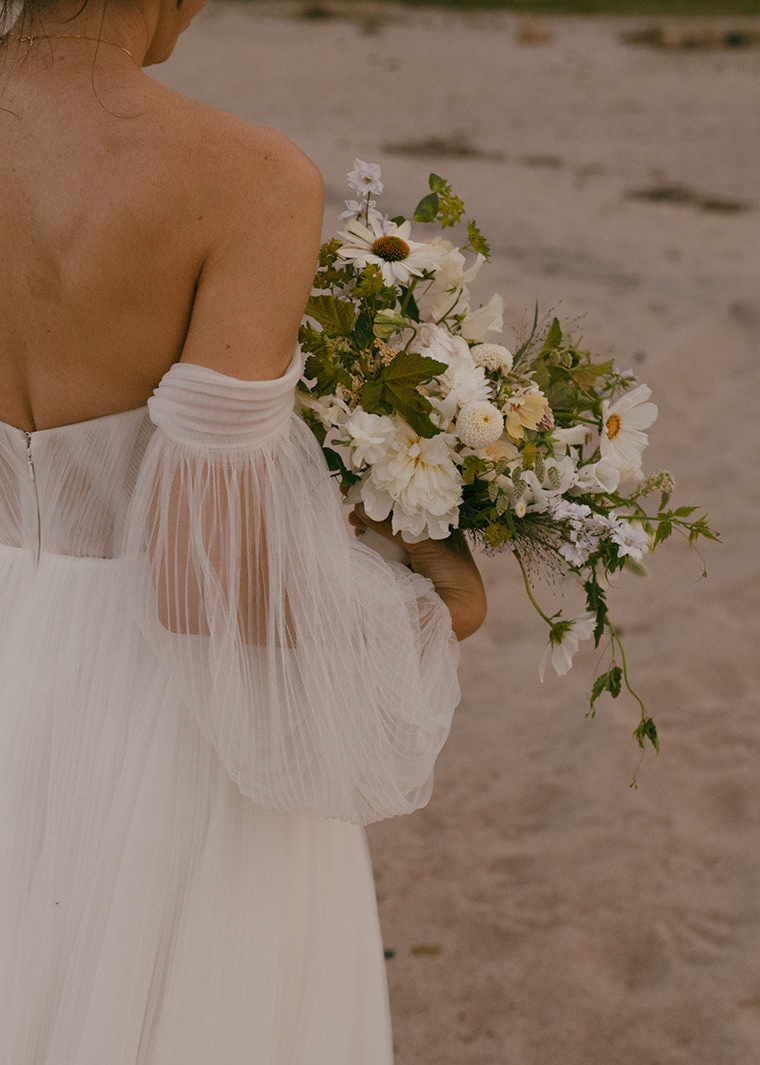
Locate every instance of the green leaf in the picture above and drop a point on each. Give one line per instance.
(553, 337)
(596, 603)
(609, 681)
(664, 530)
(397, 387)
(477, 241)
(427, 209)
(647, 730)
(586, 375)
(364, 334)
(436, 183)
(336, 464)
(335, 316)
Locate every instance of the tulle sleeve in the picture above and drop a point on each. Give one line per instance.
(324, 677)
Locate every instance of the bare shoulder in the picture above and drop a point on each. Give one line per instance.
(239, 164)
(261, 201)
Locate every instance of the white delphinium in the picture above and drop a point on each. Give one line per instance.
(366, 210)
(564, 640)
(418, 479)
(369, 436)
(365, 178)
(389, 247)
(631, 540)
(492, 357)
(623, 423)
(479, 424)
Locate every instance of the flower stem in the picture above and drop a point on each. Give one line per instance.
(529, 591)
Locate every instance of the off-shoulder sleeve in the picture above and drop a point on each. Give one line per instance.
(324, 677)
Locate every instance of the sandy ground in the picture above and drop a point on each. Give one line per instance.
(540, 912)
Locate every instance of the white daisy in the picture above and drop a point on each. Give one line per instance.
(388, 246)
(623, 423)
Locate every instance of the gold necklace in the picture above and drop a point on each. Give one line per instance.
(29, 39)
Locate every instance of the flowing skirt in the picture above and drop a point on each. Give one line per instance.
(149, 913)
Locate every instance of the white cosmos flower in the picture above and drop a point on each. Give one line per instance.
(562, 648)
(418, 479)
(623, 423)
(370, 436)
(365, 178)
(480, 424)
(388, 246)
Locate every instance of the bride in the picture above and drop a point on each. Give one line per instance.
(206, 686)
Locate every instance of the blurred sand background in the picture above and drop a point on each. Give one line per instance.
(539, 911)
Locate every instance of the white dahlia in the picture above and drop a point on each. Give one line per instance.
(388, 246)
(492, 357)
(479, 424)
(623, 423)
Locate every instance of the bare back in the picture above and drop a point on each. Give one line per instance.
(130, 214)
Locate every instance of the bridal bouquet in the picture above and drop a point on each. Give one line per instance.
(424, 418)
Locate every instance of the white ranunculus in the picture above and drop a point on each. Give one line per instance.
(370, 436)
(419, 481)
(479, 325)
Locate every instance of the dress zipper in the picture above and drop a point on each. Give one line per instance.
(33, 478)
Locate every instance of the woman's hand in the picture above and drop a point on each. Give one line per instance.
(447, 563)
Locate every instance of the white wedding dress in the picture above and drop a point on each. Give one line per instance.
(206, 688)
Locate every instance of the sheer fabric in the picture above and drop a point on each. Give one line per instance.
(200, 673)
